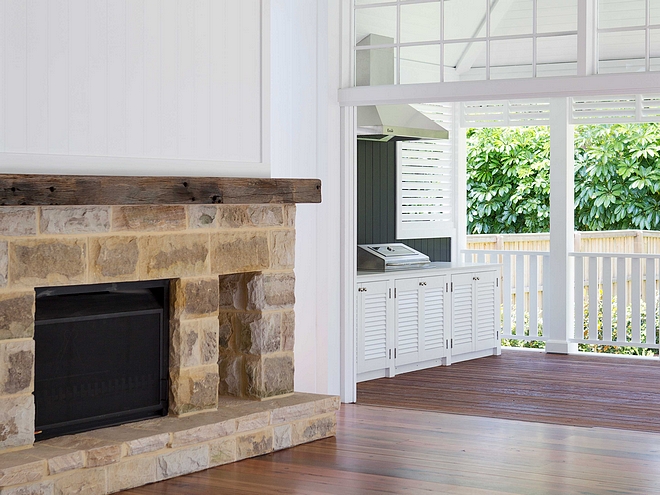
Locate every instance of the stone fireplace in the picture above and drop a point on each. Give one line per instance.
(231, 339)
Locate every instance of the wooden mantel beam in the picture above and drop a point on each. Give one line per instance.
(37, 190)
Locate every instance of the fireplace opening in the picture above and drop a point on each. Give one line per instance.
(101, 355)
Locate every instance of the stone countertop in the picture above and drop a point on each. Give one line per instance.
(426, 270)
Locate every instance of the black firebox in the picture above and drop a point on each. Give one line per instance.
(101, 355)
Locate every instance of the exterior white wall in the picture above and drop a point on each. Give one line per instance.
(305, 143)
(132, 87)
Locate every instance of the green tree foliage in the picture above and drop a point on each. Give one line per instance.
(617, 178)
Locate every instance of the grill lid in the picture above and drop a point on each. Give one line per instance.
(389, 256)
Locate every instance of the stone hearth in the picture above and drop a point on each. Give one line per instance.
(231, 335)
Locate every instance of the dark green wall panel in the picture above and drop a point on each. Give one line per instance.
(376, 201)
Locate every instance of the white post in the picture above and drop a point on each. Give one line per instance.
(459, 141)
(558, 297)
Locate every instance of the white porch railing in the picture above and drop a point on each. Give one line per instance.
(616, 299)
(521, 290)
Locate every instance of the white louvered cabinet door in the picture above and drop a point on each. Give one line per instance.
(486, 309)
(374, 327)
(408, 320)
(462, 317)
(433, 298)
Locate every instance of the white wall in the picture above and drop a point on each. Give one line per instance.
(132, 87)
(305, 143)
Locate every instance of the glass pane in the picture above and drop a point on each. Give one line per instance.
(465, 61)
(374, 67)
(516, 19)
(655, 49)
(622, 52)
(557, 16)
(511, 59)
(465, 19)
(556, 56)
(655, 11)
(420, 22)
(615, 13)
(368, 2)
(380, 21)
(419, 64)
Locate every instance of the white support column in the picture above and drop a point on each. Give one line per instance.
(558, 297)
(459, 143)
(587, 38)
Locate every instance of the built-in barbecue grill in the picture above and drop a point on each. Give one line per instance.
(381, 257)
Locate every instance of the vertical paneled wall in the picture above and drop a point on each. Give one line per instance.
(142, 79)
(376, 201)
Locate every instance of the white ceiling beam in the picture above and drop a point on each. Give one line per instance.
(502, 89)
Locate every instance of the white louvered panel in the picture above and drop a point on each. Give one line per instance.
(485, 310)
(606, 110)
(505, 113)
(462, 328)
(407, 322)
(651, 108)
(434, 319)
(375, 326)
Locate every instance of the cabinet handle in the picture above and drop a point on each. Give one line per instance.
(422, 284)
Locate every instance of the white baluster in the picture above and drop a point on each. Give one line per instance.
(650, 300)
(593, 298)
(579, 298)
(621, 299)
(506, 292)
(636, 296)
(607, 299)
(520, 294)
(533, 296)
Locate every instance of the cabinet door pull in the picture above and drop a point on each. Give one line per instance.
(395, 353)
(390, 354)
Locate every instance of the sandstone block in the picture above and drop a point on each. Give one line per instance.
(283, 249)
(173, 256)
(194, 389)
(82, 482)
(47, 262)
(254, 444)
(307, 430)
(290, 215)
(17, 315)
(41, 488)
(182, 461)
(16, 421)
(233, 290)
(202, 216)
(16, 365)
(288, 330)
(149, 444)
(232, 216)
(154, 218)
(102, 456)
(194, 342)
(113, 259)
(265, 215)
(230, 369)
(282, 437)
(222, 451)
(253, 421)
(196, 298)
(258, 333)
(20, 470)
(137, 441)
(269, 376)
(239, 252)
(98, 451)
(271, 291)
(67, 461)
(4, 263)
(225, 331)
(18, 220)
(131, 473)
(293, 412)
(203, 433)
(329, 404)
(74, 219)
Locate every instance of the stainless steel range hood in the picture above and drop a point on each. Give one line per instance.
(400, 122)
(388, 122)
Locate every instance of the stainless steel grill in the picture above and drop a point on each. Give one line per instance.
(381, 257)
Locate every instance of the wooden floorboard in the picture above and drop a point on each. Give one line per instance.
(381, 450)
(592, 391)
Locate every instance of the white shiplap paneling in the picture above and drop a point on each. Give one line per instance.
(132, 79)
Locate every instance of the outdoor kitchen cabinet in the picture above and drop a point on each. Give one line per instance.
(405, 319)
(475, 313)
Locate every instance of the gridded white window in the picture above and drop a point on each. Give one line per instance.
(628, 36)
(460, 40)
(425, 181)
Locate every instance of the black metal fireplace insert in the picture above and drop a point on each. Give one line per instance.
(101, 355)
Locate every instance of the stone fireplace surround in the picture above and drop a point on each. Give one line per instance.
(231, 339)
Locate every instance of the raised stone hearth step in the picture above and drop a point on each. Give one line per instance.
(113, 459)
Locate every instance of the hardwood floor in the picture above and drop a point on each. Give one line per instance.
(387, 450)
(409, 450)
(573, 390)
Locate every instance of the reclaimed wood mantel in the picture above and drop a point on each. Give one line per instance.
(68, 190)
